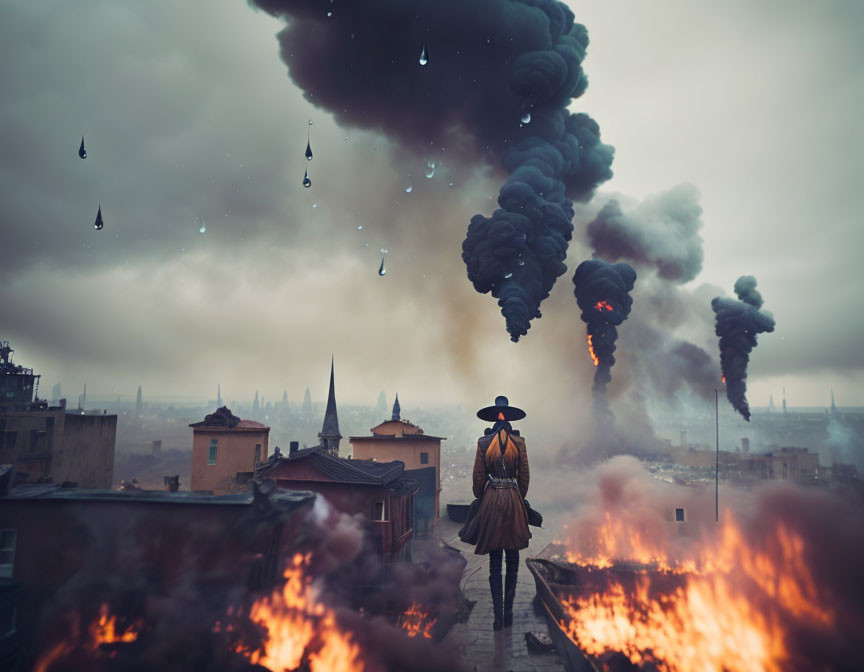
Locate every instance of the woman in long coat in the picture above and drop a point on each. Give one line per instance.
(498, 525)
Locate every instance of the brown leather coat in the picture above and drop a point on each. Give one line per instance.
(501, 521)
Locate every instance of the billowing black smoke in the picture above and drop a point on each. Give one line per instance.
(737, 325)
(602, 291)
(495, 89)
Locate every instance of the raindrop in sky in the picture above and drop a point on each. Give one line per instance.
(98, 224)
(81, 151)
(424, 55)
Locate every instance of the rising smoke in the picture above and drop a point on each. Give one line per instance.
(738, 324)
(494, 92)
(602, 291)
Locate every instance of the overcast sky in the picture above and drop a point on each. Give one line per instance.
(189, 116)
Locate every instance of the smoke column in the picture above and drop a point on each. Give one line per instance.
(737, 324)
(602, 291)
(495, 90)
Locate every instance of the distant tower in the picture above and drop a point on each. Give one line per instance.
(256, 408)
(381, 408)
(82, 400)
(771, 404)
(307, 402)
(219, 395)
(285, 399)
(329, 434)
(55, 393)
(139, 404)
(784, 400)
(833, 407)
(396, 409)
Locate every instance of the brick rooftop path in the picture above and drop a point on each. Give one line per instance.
(505, 650)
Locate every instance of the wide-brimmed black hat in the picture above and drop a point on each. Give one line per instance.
(502, 406)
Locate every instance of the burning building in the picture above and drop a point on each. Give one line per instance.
(378, 491)
(398, 439)
(47, 443)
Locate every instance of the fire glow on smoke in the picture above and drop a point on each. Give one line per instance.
(728, 606)
(417, 622)
(591, 352)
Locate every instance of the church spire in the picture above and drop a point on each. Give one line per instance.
(330, 435)
(396, 409)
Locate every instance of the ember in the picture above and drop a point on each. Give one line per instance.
(729, 605)
(415, 622)
(602, 305)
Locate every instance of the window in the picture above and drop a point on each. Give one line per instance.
(214, 444)
(378, 512)
(679, 515)
(424, 458)
(7, 552)
(257, 453)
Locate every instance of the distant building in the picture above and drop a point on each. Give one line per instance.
(380, 492)
(139, 402)
(219, 395)
(307, 402)
(381, 408)
(329, 434)
(397, 439)
(56, 393)
(223, 446)
(45, 443)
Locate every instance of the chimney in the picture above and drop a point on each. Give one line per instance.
(293, 447)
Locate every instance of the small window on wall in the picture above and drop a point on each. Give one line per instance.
(257, 453)
(378, 512)
(7, 552)
(214, 444)
(424, 458)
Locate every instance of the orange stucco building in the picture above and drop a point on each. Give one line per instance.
(224, 446)
(398, 439)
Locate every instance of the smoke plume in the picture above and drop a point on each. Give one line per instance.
(603, 294)
(737, 325)
(494, 90)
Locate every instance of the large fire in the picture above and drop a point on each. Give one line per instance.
(726, 606)
(299, 628)
(603, 305)
(594, 357)
(415, 621)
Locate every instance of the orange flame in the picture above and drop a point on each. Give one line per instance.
(104, 630)
(415, 621)
(723, 379)
(299, 627)
(721, 608)
(594, 357)
(603, 305)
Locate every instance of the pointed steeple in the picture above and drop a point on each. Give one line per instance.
(396, 409)
(833, 406)
(139, 403)
(256, 407)
(784, 400)
(307, 402)
(330, 435)
(218, 395)
(771, 403)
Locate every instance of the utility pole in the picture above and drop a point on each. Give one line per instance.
(717, 465)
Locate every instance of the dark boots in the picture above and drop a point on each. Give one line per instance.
(510, 586)
(509, 595)
(497, 601)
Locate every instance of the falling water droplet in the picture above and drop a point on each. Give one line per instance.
(521, 262)
(360, 228)
(98, 224)
(409, 189)
(508, 275)
(310, 122)
(450, 185)
(424, 55)
(526, 116)
(329, 14)
(315, 205)
(308, 151)
(202, 225)
(381, 269)
(306, 181)
(431, 172)
(81, 151)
